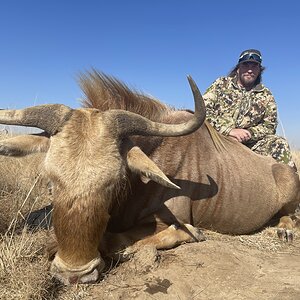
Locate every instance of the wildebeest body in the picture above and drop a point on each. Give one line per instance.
(231, 190)
(100, 158)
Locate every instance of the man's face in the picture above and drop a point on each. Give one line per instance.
(248, 73)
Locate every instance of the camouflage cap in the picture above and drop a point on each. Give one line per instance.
(250, 55)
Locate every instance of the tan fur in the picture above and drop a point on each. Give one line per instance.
(291, 221)
(22, 145)
(105, 92)
(100, 203)
(287, 223)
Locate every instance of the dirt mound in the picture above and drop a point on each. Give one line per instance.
(257, 266)
(223, 267)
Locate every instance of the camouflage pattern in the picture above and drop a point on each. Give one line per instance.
(230, 106)
(275, 146)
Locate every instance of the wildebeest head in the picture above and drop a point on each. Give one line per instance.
(88, 155)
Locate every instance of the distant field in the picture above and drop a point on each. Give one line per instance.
(296, 157)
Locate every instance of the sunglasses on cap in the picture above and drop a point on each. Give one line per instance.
(250, 56)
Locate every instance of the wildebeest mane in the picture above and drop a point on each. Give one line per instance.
(105, 92)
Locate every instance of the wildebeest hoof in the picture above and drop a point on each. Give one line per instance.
(126, 254)
(285, 235)
(196, 234)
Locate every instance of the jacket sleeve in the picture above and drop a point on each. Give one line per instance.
(220, 120)
(269, 122)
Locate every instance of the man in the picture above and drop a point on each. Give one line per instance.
(241, 107)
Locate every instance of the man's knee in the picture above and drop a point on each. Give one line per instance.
(277, 147)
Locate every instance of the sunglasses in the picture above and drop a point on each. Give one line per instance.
(250, 56)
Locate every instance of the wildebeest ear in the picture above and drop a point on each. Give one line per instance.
(138, 162)
(24, 144)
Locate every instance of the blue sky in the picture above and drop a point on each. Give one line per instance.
(150, 45)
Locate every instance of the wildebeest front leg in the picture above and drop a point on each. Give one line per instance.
(168, 238)
(173, 236)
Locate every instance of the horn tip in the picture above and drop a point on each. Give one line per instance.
(191, 80)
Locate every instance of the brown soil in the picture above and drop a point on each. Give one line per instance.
(257, 266)
(222, 267)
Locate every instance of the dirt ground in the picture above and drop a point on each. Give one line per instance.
(222, 267)
(257, 266)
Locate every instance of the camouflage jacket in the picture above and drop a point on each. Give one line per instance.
(230, 106)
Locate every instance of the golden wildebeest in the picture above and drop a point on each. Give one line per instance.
(100, 161)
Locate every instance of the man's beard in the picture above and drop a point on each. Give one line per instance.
(247, 82)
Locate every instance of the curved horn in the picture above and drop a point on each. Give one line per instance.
(132, 124)
(50, 117)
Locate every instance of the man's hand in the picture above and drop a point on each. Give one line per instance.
(242, 135)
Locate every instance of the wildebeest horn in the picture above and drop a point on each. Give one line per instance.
(132, 124)
(49, 117)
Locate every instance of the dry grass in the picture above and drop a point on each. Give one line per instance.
(296, 158)
(23, 262)
(23, 265)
